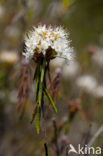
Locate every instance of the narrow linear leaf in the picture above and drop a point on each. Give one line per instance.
(36, 71)
(40, 93)
(37, 84)
(27, 35)
(50, 99)
(38, 120)
(33, 114)
(37, 80)
(41, 81)
(43, 69)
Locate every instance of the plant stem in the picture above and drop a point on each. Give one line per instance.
(46, 149)
(56, 138)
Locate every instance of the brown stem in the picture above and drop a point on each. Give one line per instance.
(56, 138)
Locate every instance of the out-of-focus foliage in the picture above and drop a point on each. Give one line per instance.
(80, 96)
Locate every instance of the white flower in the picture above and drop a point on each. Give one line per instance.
(41, 38)
(87, 83)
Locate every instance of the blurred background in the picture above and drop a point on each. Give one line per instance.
(79, 96)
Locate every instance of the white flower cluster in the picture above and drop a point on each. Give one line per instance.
(42, 38)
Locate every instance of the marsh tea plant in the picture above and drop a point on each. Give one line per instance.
(42, 45)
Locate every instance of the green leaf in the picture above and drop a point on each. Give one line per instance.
(41, 81)
(43, 70)
(38, 120)
(37, 70)
(37, 76)
(50, 99)
(37, 85)
(40, 93)
(27, 35)
(33, 114)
